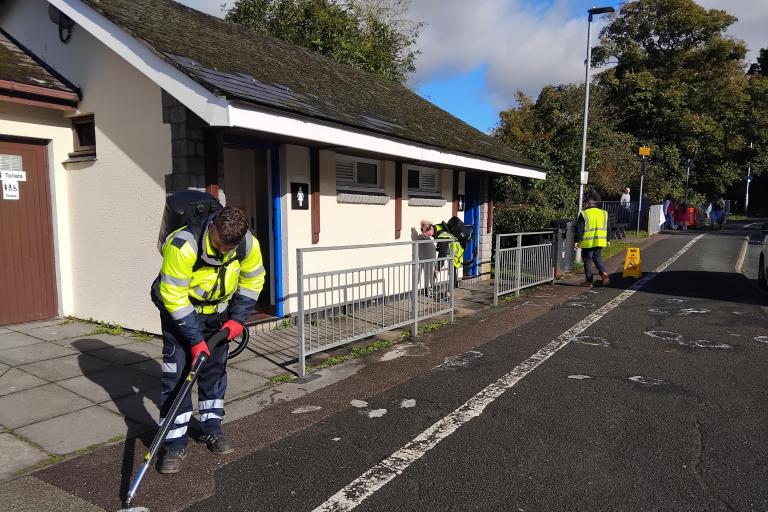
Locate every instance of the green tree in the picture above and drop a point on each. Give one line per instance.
(371, 35)
(679, 86)
(762, 61)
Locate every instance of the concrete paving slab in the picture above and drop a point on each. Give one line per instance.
(15, 380)
(76, 430)
(37, 404)
(16, 455)
(129, 353)
(66, 367)
(61, 331)
(28, 326)
(94, 342)
(11, 339)
(33, 353)
(3, 330)
(142, 409)
(110, 384)
(30, 494)
(258, 366)
(240, 383)
(151, 367)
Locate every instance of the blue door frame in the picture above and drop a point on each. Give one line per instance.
(472, 217)
(277, 216)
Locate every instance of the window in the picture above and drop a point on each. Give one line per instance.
(357, 173)
(84, 131)
(423, 181)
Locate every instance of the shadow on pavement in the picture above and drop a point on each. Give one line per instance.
(128, 394)
(717, 286)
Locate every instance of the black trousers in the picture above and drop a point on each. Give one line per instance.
(595, 254)
(211, 381)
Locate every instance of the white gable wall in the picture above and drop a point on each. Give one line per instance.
(108, 210)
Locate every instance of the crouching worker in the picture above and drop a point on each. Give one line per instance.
(211, 277)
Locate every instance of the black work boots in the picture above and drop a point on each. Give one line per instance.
(170, 462)
(217, 443)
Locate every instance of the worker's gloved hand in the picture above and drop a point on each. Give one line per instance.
(235, 329)
(200, 348)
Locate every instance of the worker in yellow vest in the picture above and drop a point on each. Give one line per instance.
(591, 237)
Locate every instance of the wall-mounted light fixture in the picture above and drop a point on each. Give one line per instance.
(64, 22)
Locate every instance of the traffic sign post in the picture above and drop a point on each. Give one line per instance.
(644, 153)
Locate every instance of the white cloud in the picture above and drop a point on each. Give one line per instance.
(753, 20)
(525, 48)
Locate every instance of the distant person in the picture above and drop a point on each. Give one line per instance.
(716, 211)
(666, 212)
(681, 216)
(625, 202)
(591, 237)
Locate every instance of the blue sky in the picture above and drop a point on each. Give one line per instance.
(475, 55)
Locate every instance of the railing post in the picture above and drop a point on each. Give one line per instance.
(300, 298)
(519, 264)
(497, 270)
(415, 288)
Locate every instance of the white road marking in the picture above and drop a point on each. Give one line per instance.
(761, 339)
(358, 403)
(595, 341)
(664, 335)
(377, 413)
(384, 472)
(579, 377)
(648, 381)
(305, 409)
(408, 403)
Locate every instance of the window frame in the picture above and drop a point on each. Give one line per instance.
(81, 150)
(423, 192)
(355, 185)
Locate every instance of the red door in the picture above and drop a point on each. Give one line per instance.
(27, 270)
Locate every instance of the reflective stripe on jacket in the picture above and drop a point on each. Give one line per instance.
(213, 284)
(595, 228)
(458, 250)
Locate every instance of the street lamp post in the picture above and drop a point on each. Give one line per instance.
(749, 180)
(582, 181)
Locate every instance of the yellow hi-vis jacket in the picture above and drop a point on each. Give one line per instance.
(458, 251)
(595, 228)
(197, 280)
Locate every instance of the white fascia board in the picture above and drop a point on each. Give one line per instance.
(211, 108)
(271, 122)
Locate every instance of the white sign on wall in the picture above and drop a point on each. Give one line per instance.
(10, 189)
(11, 174)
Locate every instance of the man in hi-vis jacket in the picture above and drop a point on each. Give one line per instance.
(210, 280)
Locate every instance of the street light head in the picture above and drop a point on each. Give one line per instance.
(600, 10)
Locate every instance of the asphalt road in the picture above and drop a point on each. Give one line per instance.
(660, 404)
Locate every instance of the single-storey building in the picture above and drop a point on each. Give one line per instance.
(106, 106)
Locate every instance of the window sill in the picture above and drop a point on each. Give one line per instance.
(353, 197)
(79, 158)
(434, 202)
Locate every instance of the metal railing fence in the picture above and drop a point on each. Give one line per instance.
(620, 213)
(336, 307)
(522, 260)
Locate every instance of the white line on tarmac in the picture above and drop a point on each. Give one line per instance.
(380, 475)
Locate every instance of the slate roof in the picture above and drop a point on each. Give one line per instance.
(17, 65)
(244, 65)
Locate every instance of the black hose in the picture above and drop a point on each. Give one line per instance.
(239, 343)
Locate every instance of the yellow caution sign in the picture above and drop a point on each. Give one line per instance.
(632, 263)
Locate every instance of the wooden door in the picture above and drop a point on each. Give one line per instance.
(27, 271)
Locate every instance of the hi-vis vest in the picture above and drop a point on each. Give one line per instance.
(595, 228)
(188, 284)
(458, 250)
